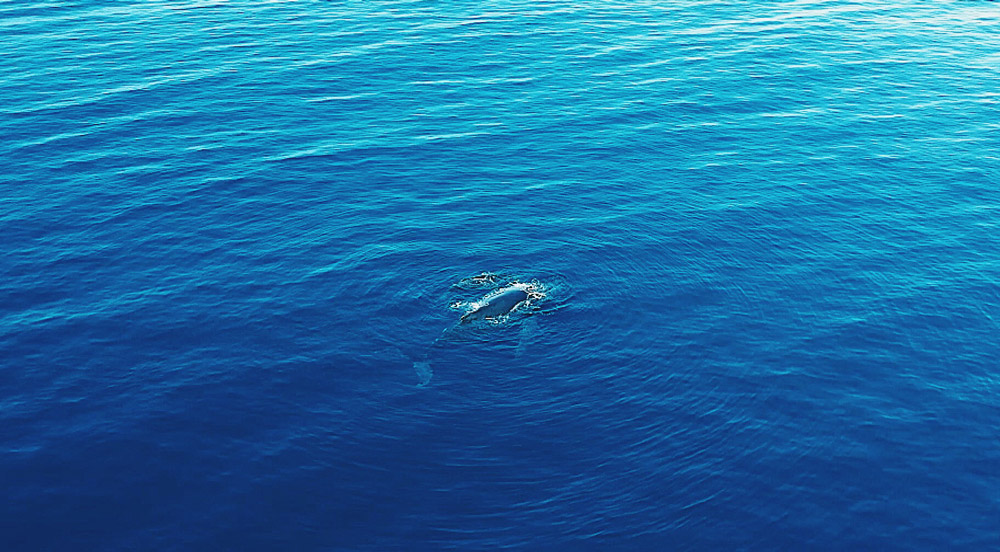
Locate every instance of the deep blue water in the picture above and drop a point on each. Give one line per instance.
(235, 233)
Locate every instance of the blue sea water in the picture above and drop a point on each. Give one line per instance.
(237, 237)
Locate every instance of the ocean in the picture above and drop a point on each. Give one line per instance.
(758, 243)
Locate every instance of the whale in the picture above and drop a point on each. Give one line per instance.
(494, 307)
(498, 303)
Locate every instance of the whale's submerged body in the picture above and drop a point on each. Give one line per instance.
(499, 303)
(495, 307)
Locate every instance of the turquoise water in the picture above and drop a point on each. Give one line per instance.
(239, 236)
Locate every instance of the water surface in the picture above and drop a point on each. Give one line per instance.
(230, 229)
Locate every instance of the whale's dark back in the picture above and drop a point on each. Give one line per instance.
(498, 305)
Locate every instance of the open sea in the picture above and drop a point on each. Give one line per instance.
(760, 243)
